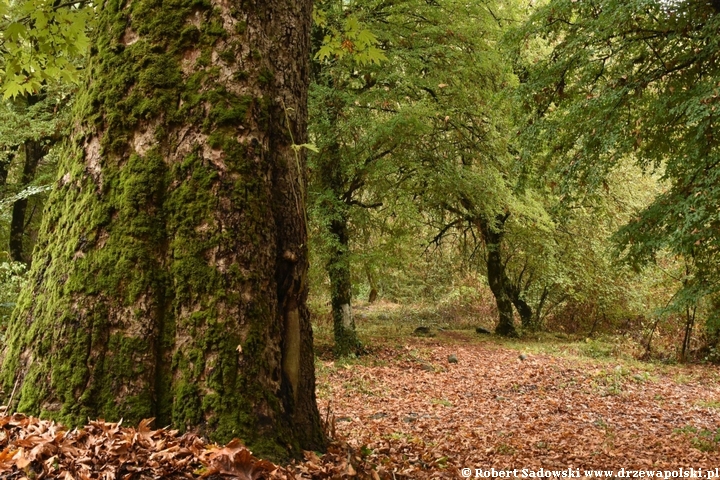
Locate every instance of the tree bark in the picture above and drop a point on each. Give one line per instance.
(338, 268)
(34, 152)
(330, 180)
(333, 183)
(5, 164)
(524, 310)
(373, 295)
(169, 278)
(497, 279)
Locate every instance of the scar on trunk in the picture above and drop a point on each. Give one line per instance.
(291, 355)
(346, 316)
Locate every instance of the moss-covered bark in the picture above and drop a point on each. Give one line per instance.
(169, 276)
(338, 267)
(332, 181)
(497, 278)
(33, 151)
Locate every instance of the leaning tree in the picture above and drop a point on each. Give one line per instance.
(169, 279)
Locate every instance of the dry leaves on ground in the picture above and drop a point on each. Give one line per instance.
(408, 413)
(40, 449)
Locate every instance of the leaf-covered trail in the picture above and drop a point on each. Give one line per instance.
(418, 415)
(406, 412)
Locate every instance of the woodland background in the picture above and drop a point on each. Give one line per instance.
(553, 161)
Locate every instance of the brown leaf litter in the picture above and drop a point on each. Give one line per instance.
(408, 413)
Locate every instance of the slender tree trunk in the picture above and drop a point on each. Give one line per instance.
(594, 325)
(11, 152)
(34, 152)
(169, 278)
(541, 304)
(373, 295)
(689, 324)
(689, 314)
(338, 268)
(497, 279)
(332, 181)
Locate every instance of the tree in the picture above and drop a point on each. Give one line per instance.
(354, 142)
(27, 128)
(636, 80)
(428, 123)
(467, 173)
(169, 279)
(35, 144)
(40, 56)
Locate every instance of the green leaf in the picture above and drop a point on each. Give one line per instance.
(310, 146)
(15, 30)
(12, 90)
(366, 37)
(326, 51)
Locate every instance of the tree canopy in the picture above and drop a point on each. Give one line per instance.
(634, 81)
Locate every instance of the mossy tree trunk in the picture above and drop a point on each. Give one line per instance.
(34, 151)
(507, 294)
(527, 317)
(169, 279)
(497, 278)
(336, 212)
(338, 268)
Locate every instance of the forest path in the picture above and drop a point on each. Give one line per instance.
(408, 410)
(405, 411)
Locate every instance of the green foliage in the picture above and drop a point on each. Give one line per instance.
(634, 80)
(346, 36)
(412, 152)
(40, 43)
(389, 135)
(567, 265)
(43, 119)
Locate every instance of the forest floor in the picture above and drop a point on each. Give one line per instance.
(452, 405)
(406, 411)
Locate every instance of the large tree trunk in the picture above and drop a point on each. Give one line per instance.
(169, 279)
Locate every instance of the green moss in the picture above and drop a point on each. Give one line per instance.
(189, 37)
(133, 268)
(204, 60)
(227, 109)
(266, 77)
(215, 29)
(240, 75)
(227, 56)
(124, 361)
(186, 411)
